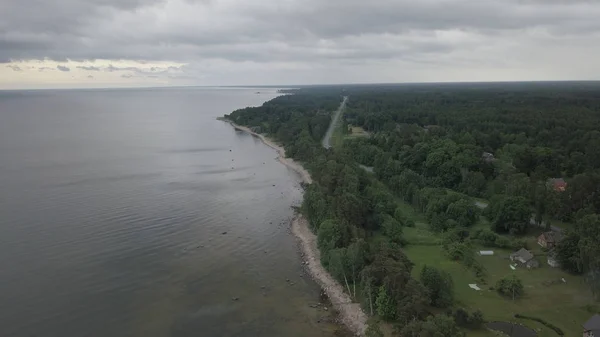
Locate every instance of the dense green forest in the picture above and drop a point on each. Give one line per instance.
(517, 155)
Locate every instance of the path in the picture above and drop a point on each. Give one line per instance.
(333, 124)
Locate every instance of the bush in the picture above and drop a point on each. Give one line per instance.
(521, 243)
(373, 330)
(457, 251)
(491, 239)
(510, 287)
(540, 320)
(466, 320)
(461, 317)
(386, 308)
(477, 319)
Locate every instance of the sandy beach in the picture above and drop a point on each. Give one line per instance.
(351, 314)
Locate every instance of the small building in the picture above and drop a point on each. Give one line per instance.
(549, 239)
(591, 328)
(557, 184)
(486, 252)
(524, 257)
(552, 261)
(488, 157)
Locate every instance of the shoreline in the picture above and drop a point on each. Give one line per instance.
(350, 313)
(289, 162)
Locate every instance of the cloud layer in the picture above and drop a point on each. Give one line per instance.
(304, 41)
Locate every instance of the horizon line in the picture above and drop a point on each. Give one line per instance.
(298, 86)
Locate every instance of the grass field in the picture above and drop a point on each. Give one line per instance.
(340, 133)
(357, 131)
(562, 304)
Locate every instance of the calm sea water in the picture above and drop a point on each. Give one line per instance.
(136, 213)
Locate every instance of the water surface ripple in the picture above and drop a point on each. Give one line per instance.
(136, 213)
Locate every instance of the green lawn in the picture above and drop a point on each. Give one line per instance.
(562, 304)
(357, 131)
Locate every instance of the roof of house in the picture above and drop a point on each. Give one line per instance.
(592, 324)
(552, 236)
(558, 184)
(524, 253)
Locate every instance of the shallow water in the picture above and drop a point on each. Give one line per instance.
(136, 213)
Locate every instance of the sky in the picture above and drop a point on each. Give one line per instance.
(129, 43)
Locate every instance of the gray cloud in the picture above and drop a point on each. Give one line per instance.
(89, 68)
(112, 68)
(63, 68)
(302, 34)
(14, 68)
(42, 69)
(90, 76)
(143, 71)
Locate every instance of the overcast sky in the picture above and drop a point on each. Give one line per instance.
(105, 43)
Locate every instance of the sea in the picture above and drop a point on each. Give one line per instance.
(135, 212)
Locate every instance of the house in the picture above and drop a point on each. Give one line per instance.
(525, 258)
(557, 184)
(549, 239)
(488, 157)
(591, 328)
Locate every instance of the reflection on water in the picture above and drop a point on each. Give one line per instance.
(136, 213)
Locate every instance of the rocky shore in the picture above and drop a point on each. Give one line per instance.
(350, 314)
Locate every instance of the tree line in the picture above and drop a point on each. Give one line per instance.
(354, 215)
(438, 147)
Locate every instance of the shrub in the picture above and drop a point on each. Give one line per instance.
(477, 319)
(461, 317)
(466, 320)
(510, 287)
(386, 308)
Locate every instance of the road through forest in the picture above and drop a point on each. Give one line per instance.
(333, 124)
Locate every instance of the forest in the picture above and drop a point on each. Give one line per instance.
(514, 157)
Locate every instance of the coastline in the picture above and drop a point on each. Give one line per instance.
(350, 314)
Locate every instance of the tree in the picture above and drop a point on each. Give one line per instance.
(461, 317)
(315, 205)
(386, 308)
(338, 265)
(510, 287)
(433, 326)
(392, 229)
(331, 234)
(373, 330)
(476, 319)
(579, 252)
(399, 215)
(473, 184)
(356, 256)
(567, 252)
(466, 320)
(464, 212)
(439, 285)
(512, 215)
